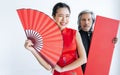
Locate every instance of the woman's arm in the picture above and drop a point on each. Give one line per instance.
(28, 45)
(81, 59)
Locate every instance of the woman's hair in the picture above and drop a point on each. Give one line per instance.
(85, 12)
(59, 5)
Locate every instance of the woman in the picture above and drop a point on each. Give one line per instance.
(73, 55)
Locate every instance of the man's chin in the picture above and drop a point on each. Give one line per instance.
(85, 30)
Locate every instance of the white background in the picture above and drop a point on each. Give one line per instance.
(16, 60)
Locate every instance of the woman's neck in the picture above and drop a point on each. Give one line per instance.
(62, 28)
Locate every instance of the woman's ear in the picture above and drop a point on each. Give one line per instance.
(53, 16)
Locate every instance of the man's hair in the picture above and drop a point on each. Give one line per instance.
(85, 12)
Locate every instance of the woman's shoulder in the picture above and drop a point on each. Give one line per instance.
(71, 31)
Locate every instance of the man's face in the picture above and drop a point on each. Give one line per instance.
(86, 21)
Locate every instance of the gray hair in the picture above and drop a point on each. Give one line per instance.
(84, 12)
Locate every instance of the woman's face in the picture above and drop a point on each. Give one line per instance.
(62, 17)
(86, 22)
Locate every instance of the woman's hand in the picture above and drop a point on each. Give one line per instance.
(58, 68)
(29, 45)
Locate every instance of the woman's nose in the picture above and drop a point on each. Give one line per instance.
(64, 19)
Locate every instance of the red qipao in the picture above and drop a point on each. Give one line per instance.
(69, 53)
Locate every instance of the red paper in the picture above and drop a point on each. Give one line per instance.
(102, 47)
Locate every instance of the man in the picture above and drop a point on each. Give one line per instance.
(86, 20)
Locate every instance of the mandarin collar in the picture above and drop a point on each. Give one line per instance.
(64, 30)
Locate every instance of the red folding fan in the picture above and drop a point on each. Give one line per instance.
(43, 32)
